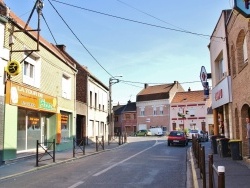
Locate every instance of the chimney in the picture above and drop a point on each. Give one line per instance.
(62, 47)
(145, 86)
(189, 89)
(4, 11)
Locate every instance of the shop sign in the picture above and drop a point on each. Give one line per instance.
(29, 98)
(222, 93)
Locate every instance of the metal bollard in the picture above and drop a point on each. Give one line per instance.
(221, 177)
(210, 170)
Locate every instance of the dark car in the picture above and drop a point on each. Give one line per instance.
(143, 133)
(177, 138)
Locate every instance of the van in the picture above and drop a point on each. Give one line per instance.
(156, 131)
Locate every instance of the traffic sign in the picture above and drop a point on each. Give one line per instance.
(203, 76)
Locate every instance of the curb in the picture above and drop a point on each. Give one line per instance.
(58, 163)
(195, 182)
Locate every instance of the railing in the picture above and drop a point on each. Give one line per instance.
(199, 154)
(48, 151)
(99, 142)
(79, 145)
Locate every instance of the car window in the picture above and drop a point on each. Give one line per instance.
(176, 134)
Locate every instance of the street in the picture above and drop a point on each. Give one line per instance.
(144, 162)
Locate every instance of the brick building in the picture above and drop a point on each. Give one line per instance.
(153, 105)
(239, 50)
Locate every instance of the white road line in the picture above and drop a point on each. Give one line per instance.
(76, 184)
(112, 166)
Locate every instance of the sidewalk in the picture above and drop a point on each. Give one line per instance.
(26, 162)
(237, 172)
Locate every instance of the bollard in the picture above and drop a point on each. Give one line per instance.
(125, 138)
(109, 139)
(221, 177)
(103, 142)
(54, 150)
(96, 143)
(119, 139)
(210, 170)
(74, 146)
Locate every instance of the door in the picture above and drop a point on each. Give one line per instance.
(44, 136)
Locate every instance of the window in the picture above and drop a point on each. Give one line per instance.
(66, 87)
(90, 98)
(245, 50)
(154, 111)
(31, 71)
(161, 110)
(127, 116)
(95, 100)
(142, 113)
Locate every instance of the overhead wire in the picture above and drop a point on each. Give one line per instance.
(79, 40)
(135, 21)
(123, 81)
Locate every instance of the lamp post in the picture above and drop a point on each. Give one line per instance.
(113, 80)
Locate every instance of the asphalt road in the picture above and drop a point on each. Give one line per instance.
(144, 162)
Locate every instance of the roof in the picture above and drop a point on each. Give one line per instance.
(130, 107)
(118, 109)
(189, 96)
(154, 92)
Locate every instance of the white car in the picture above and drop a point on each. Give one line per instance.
(200, 134)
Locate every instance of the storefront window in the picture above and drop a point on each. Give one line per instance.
(65, 127)
(21, 130)
(34, 129)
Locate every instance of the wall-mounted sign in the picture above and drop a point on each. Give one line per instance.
(29, 98)
(242, 6)
(13, 68)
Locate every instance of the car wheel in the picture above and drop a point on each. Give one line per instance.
(168, 143)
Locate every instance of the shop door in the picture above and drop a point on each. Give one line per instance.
(44, 132)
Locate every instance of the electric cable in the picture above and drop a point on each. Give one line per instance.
(135, 21)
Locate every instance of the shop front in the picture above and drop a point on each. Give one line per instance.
(221, 105)
(29, 116)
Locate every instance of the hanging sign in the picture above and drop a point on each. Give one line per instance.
(13, 68)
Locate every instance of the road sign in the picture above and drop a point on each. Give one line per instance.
(242, 6)
(203, 76)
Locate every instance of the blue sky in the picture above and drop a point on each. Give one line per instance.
(149, 48)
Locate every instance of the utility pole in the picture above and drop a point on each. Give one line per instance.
(112, 81)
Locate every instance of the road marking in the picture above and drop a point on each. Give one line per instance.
(112, 166)
(76, 184)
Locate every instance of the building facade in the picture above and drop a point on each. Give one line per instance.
(125, 120)
(189, 110)
(239, 51)
(153, 106)
(40, 99)
(221, 78)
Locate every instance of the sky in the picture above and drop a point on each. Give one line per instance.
(144, 41)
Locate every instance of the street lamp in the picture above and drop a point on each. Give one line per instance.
(113, 80)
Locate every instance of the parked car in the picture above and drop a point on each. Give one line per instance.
(177, 138)
(143, 133)
(200, 134)
(156, 131)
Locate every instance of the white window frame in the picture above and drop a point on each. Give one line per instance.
(33, 78)
(66, 86)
